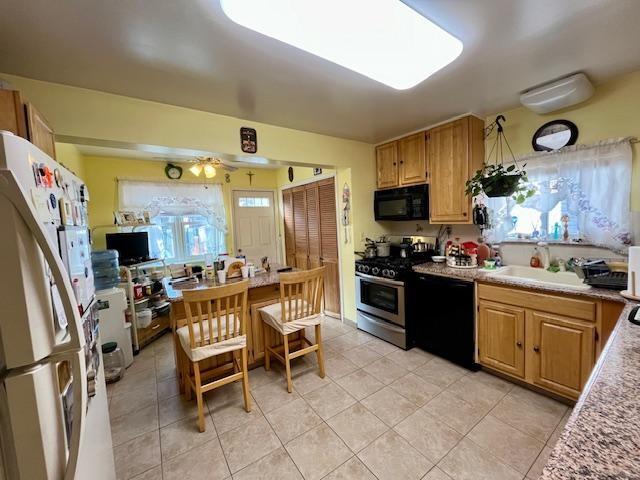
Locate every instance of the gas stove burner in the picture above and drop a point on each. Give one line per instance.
(394, 268)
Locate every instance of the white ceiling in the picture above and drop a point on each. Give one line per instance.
(188, 53)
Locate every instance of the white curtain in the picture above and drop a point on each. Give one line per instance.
(167, 198)
(594, 184)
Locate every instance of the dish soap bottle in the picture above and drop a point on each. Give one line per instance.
(535, 259)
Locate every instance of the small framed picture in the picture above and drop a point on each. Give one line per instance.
(128, 218)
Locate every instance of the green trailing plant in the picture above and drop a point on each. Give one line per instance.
(496, 180)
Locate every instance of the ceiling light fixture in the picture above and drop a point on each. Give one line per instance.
(196, 168)
(209, 170)
(381, 39)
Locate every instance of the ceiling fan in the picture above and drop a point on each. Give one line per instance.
(208, 165)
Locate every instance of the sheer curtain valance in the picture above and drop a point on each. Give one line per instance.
(167, 198)
(590, 184)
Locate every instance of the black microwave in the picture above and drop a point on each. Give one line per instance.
(407, 203)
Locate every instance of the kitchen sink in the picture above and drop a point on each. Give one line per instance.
(539, 275)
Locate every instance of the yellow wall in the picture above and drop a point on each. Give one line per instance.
(86, 113)
(101, 174)
(613, 111)
(299, 174)
(69, 156)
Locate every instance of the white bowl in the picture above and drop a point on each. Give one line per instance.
(438, 258)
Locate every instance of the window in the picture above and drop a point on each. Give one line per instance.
(253, 202)
(586, 186)
(184, 238)
(189, 219)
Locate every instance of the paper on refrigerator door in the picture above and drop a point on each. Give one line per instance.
(58, 308)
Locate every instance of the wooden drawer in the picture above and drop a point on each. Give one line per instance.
(569, 306)
(159, 324)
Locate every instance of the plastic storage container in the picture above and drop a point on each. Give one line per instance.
(106, 269)
(144, 317)
(113, 362)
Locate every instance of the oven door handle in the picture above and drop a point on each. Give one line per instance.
(380, 279)
(383, 324)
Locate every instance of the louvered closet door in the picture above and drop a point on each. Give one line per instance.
(289, 233)
(300, 227)
(329, 244)
(313, 225)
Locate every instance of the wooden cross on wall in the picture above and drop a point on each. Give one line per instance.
(250, 175)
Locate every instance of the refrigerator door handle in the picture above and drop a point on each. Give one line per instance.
(80, 402)
(10, 189)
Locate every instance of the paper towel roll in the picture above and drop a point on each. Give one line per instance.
(634, 271)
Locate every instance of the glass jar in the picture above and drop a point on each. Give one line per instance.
(113, 362)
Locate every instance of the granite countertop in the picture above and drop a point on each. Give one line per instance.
(480, 274)
(601, 440)
(602, 437)
(262, 279)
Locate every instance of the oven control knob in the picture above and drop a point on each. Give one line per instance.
(392, 274)
(365, 268)
(385, 273)
(375, 270)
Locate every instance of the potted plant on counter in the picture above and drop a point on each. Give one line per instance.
(495, 179)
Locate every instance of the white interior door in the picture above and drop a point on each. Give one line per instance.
(254, 225)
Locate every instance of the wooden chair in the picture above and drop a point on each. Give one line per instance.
(300, 300)
(216, 325)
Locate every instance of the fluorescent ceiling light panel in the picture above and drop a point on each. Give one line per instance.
(381, 39)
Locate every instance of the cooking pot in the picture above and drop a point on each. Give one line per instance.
(383, 249)
(370, 251)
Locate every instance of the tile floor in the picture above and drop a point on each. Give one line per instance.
(380, 413)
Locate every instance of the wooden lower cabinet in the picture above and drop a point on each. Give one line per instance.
(561, 352)
(501, 344)
(554, 349)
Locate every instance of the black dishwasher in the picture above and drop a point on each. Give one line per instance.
(443, 318)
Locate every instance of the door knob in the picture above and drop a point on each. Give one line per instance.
(519, 344)
(536, 348)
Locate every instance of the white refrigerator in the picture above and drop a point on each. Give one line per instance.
(54, 421)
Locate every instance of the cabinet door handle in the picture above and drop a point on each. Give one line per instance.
(519, 344)
(464, 214)
(401, 162)
(536, 348)
(394, 164)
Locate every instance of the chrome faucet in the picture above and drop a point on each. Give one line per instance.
(545, 253)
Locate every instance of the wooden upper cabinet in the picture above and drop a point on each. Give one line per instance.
(412, 159)
(387, 165)
(403, 162)
(40, 134)
(501, 337)
(562, 352)
(12, 116)
(25, 121)
(455, 151)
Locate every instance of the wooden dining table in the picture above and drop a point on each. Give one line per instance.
(264, 289)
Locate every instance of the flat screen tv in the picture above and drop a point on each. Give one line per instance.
(132, 247)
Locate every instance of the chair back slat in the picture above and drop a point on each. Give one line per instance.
(217, 303)
(301, 293)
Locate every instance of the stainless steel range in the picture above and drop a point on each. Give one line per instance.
(381, 296)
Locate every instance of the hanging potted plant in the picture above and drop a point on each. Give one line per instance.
(496, 180)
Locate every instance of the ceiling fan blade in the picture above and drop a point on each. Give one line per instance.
(228, 168)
